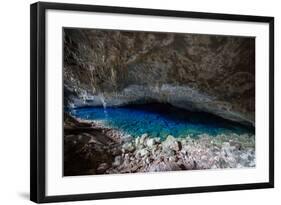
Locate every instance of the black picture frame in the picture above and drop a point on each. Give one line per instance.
(38, 101)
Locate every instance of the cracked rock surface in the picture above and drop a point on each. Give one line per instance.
(210, 73)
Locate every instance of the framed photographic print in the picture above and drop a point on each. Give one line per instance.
(129, 102)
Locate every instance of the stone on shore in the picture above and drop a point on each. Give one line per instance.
(102, 153)
(172, 143)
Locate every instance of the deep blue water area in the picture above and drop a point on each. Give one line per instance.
(160, 120)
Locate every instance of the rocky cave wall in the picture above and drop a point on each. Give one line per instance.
(209, 73)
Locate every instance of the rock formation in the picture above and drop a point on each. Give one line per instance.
(209, 73)
(90, 148)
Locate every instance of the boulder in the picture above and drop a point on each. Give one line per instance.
(150, 142)
(172, 143)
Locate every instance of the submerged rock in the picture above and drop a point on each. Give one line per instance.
(93, 151)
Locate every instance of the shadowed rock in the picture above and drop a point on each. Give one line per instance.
(210, 73)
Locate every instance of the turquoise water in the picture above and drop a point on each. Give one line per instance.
(160, 120)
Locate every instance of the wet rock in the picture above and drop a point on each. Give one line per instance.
(145, 154)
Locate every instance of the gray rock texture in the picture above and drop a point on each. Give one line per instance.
(90, 148)
(209, 73)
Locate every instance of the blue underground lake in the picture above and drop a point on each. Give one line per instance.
(160, 120)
